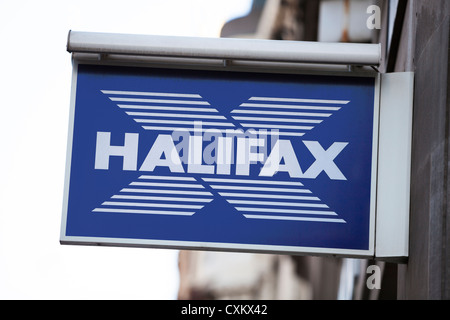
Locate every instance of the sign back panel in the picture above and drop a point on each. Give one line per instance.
(221, 160)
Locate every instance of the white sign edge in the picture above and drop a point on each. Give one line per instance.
(73, 92)
(394, 165)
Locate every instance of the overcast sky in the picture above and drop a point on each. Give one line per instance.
(35, 76)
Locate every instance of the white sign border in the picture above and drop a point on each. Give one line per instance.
(194, 245)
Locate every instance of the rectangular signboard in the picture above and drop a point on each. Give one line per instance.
(257, 162)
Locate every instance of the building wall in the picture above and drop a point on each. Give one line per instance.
(424, 49)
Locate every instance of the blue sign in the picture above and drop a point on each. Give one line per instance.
(221, 160)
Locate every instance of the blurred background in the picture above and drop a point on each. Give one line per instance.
(35, 80)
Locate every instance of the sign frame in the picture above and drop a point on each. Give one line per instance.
(169, 244)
